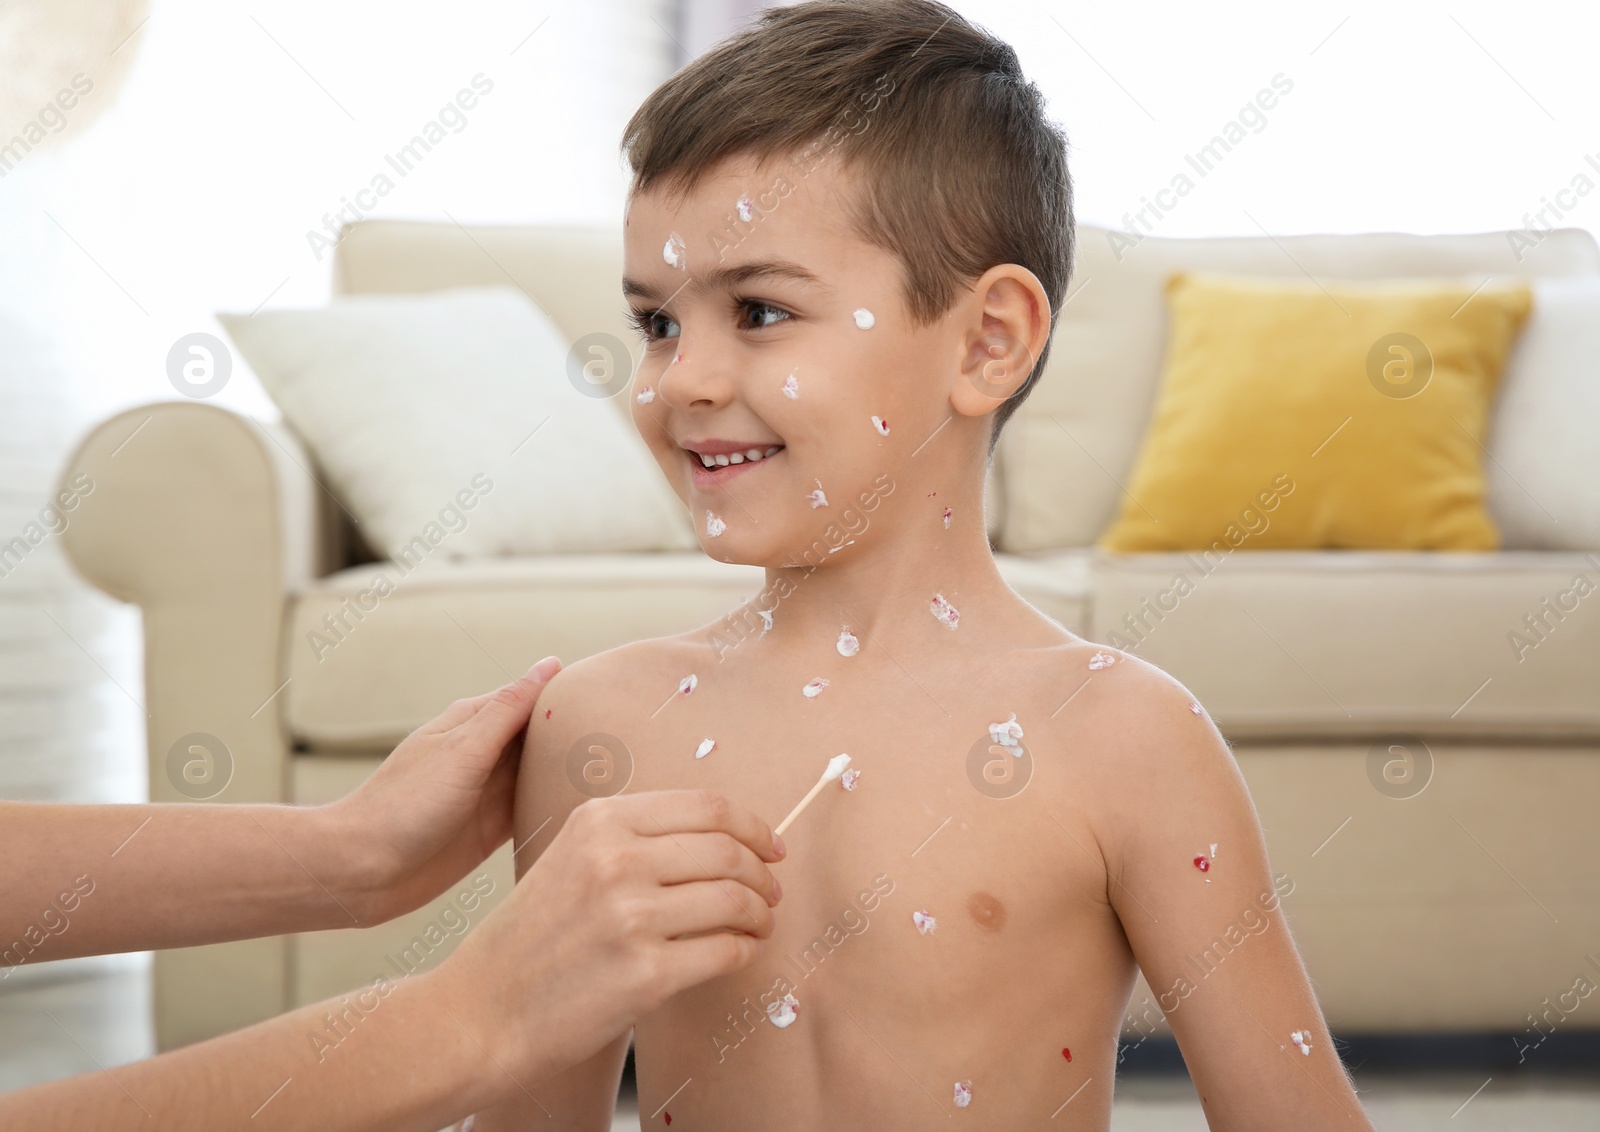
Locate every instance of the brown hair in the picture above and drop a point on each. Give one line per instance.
(961, 169)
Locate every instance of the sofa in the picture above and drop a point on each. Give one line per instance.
(1429, 795)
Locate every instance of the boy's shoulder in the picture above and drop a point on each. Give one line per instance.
(1138, 717)
(616, 682)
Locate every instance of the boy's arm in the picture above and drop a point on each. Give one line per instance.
(585, 1096)
(1213, 942)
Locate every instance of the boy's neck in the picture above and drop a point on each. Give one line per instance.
(883, 586)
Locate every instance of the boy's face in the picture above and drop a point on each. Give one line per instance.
(732, 323)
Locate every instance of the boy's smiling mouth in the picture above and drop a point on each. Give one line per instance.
(715, 461)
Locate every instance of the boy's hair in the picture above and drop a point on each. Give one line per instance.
(961, 169)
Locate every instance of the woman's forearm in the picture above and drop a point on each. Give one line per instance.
(104, 879)
(390, 1056)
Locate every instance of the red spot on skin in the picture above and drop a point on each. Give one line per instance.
(669, 1118)
(547, 713)
(1066, 1053)
(1202, 864)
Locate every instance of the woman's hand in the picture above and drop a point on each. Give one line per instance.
(439, 804)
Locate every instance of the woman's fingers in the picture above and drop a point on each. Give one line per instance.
(699, 811)
(706, 906)
(679, 858)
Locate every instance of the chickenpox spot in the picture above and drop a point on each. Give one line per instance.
(742, 206)
(849, 778)
(646, 395)
(547, 712)
(1202, 864)
(925, 923)
(817, 498)
(988, 912)
(1302, 1041)
(791, 387)
(1066, 1053)
(1007, 735)
(1101, 660)
(783, 1013)
(705, 747)
(676, 358)
(946, 613)
(864, 318)
(813, 689)
(881, 425)
(672, 251)
(847, 643)
(714, 525)
(963, 1095)
(688, 684)
(948, 515)
(669, 1118)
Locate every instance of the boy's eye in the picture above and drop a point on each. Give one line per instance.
(759, 311)
(752, 314)
(648, 325)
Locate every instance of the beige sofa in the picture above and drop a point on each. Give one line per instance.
(1459, 907)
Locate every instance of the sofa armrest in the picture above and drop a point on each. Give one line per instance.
(206, 520)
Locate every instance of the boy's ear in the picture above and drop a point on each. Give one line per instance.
(1009, 316)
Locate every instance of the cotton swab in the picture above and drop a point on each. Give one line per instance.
(836, 767)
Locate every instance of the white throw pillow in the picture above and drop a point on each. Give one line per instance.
(1544, 432)
(448, 416)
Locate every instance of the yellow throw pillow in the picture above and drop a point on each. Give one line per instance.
(1298, 414)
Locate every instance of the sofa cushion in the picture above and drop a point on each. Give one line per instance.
(1067, 452)
(452, 423)
(1365, 403)
(1543, 461)
(1283, 644)
(365, 667)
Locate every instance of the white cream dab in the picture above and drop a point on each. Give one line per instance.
(963, 1094)
(1007, 735)
(818, 498)
(688, 684)
(948, 515)
(864, 318)
(791, 387)
(946, 613)
(848, 779)
(742, 206)
(766, 619)
(841, 546)
(714, 525)
(1194, 707)
(925, 923)
(672, 251)
(847, 643)
(1302, 1041)
(705, 748)
(783, 1012)
(646, 395)
(1101, 660)
(881, 425)
(814, 689)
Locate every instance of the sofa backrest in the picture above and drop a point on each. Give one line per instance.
(1071, 446)
(1058, 471)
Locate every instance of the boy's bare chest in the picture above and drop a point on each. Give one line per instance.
(940, 846)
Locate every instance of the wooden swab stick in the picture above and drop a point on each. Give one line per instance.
(836, 767)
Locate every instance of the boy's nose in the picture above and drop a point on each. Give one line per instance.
(694, 380)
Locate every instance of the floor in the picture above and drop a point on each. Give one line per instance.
(55, 1026)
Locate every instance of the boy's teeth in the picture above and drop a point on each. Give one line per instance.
(751, 455)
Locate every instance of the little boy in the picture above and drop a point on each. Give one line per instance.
(849, 236)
